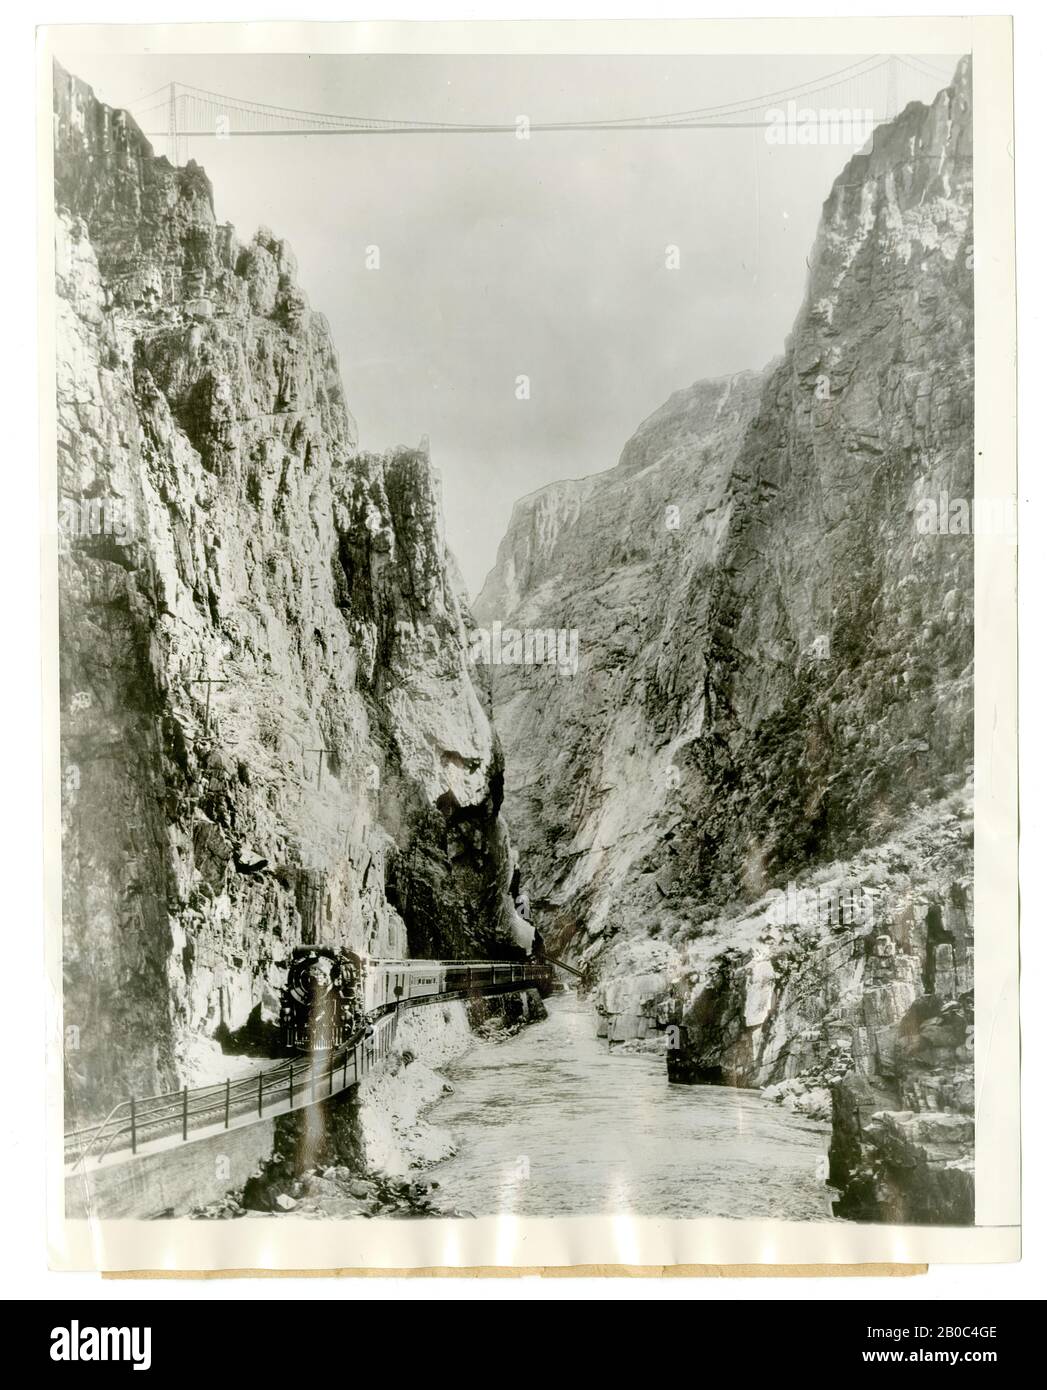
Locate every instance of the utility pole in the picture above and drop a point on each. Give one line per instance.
(209, 681)
(320, 764)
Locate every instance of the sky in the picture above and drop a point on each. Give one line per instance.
(501, 258)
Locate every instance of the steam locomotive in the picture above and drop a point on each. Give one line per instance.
(321, 1005)
(331, 993)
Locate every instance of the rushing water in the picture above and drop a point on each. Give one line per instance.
(549, 1123)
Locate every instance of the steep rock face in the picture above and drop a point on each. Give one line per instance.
(793, 687)
(619, 557)
(217, 520)
(850, 997)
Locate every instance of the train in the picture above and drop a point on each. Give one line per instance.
(332, 993)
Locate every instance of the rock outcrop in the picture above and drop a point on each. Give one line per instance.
(774, 685)
(852, 999)
(619, 557)
(338, 780)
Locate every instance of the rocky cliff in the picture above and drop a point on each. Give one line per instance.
(338, 779)
(773, 687)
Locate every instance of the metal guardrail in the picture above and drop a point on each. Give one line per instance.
(288, 1086)
(284, 1087)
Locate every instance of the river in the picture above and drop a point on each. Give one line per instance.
(550, 1123)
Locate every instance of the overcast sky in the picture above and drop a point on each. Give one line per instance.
(503, 257)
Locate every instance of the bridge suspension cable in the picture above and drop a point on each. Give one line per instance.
(868, 86)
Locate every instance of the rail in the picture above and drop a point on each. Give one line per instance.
(289, 1085)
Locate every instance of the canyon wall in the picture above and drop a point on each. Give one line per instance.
(339, 780)
(774, 686)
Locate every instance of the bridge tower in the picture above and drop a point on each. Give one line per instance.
(892, 88)
(174, 151)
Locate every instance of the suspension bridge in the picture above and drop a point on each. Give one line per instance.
(874, 86)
